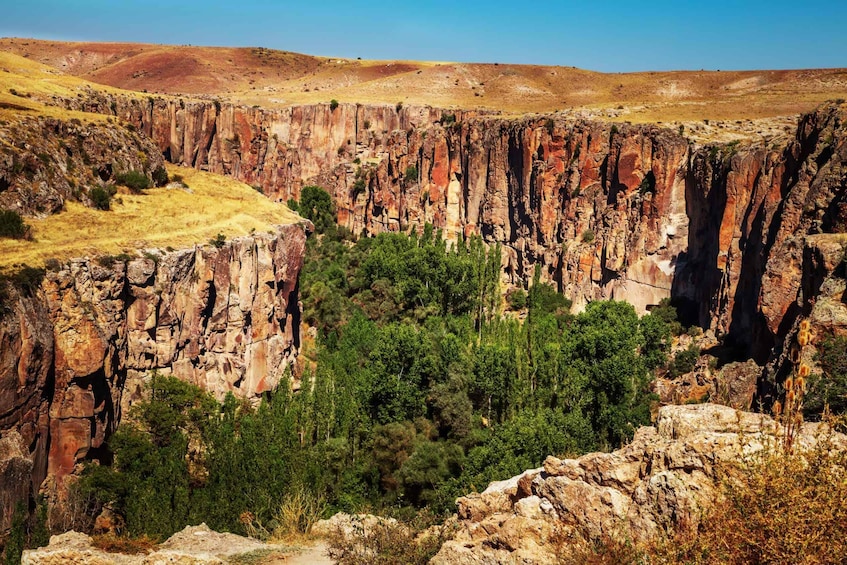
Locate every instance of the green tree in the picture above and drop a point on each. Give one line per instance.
(316, 205)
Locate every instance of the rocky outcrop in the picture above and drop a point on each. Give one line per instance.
(665, 477)
(45, 161)
(608, 211)
(194, 545)
(77, 350)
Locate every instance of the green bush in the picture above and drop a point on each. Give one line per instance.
(830, 387)
(135, 180)
(160, 176)
(23, 277)
(218, 241)
(516, 299)
(684, 361)
(333, 104)
(316, 205)
(101, 198)
(411, 174)
(667, 313)
(12, 225)
(587, 236)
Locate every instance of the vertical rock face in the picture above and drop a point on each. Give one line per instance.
(76, 353)
(607, 211)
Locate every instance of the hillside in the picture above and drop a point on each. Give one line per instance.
(51, 158)
(277, 78)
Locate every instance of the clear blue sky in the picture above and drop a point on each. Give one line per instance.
(600, 35)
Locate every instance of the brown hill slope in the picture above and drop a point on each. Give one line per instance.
(278, 78)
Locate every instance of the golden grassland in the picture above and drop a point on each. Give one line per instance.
(157, 218)
(23, 82)
(271, 78)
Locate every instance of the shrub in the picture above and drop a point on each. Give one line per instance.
(776, 506)
(25, 278)
(587, 236)
(100, 197)
(134, 180)
(516, 299)
(111, 543)
(297, 513)
(448, 118)
(399, 106)
(411, 174)
(684, 361)
(667, 313)
(830, 388)
(218, 241)
(12, 225)
(160, 176)
(333, 104)
(109, 260)
(386, 542)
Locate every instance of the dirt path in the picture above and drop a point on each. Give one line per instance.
(315, 555)
(312, 555)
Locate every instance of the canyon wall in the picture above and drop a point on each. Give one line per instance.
(607, 211)
(76, 349)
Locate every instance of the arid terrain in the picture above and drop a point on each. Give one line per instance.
(246, 287)
(278, 78)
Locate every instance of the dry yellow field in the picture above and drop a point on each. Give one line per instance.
(23, 82)
(159, 218)
(269, 78)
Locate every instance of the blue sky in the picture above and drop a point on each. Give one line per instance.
(612, 36)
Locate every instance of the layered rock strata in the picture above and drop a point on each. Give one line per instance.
(77, 349)
(665, 477)
(608, 211)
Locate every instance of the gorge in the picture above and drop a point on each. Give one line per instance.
(746, 239)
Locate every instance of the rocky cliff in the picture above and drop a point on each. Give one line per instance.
(76, 349)
(45, 161)
(608, 211)
(663, 479)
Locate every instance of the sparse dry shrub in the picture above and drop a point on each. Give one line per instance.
(778, 506)
(125, 545)
(297, 513)
(293, 520)
(388, 542)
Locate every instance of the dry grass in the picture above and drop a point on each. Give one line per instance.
(23, 82)
(277, 78)
(292, 521)
(385, 542)
(159, 218)
(778, 507)
(124, 545)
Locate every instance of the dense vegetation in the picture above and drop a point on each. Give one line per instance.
(417, 389)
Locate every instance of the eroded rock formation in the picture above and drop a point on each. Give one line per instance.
(608, 211)
(45, 161)
(194, 545)
(663, 478)
(77, 349)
